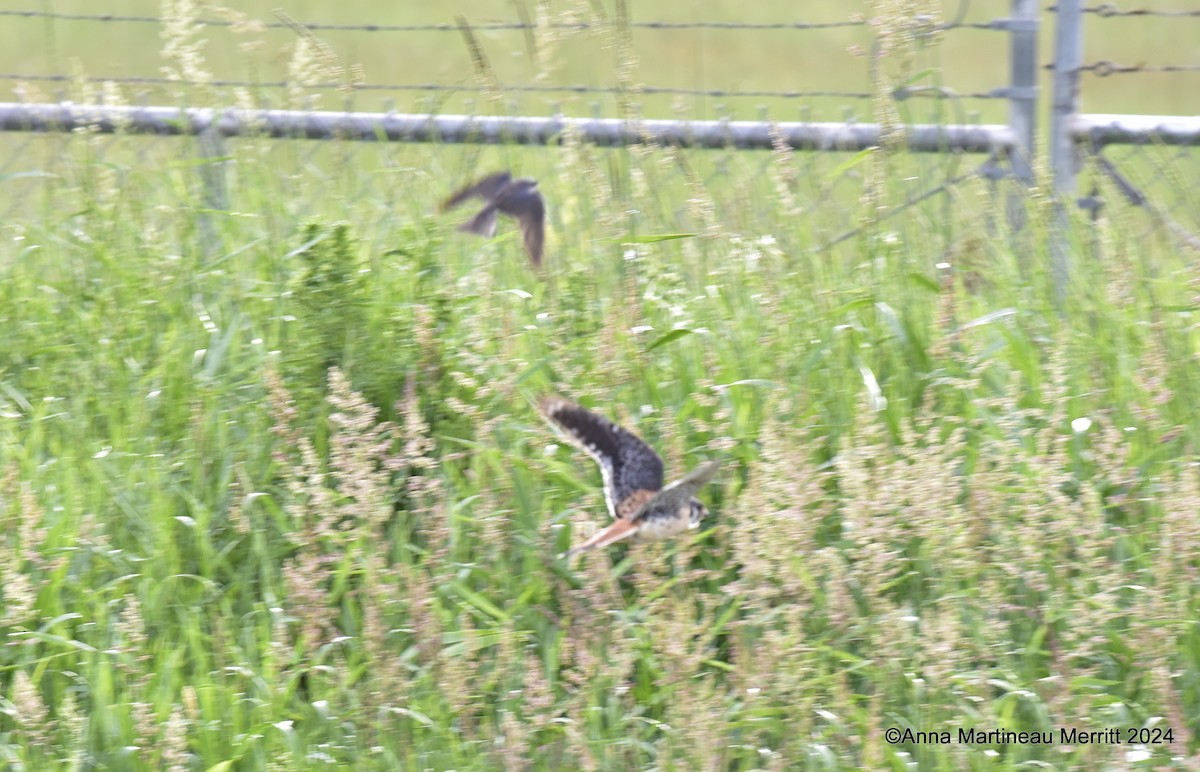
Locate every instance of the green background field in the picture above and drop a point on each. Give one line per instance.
(274, 493)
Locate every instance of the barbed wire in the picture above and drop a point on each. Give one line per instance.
(1104, 68)
(1111, 10)
(943, 92)
(901, 93)
(997, 24)
(141, 80)
(445, 27)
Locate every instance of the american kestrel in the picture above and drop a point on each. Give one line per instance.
(642, 509)
(518, 199)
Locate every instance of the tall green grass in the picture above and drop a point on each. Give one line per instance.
(274, 493)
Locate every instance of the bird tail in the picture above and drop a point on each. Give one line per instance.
(621, 529)
(482, 224)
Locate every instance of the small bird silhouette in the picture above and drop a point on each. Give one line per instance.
(643, 510)
(518, 199)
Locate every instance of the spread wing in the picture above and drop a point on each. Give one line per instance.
(530, 211)
(486, 188)
(632, 471)
(680, 492)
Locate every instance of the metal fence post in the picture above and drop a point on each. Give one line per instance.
(1023, 88)
(1068, 58)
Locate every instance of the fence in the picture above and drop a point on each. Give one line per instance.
(1081, 140)
(1077, 142)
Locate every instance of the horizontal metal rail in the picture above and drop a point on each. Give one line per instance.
(1136, 129)
(472, 129)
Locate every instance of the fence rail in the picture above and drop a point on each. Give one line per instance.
(1098, 130)
(1102, 130)
(298, 124)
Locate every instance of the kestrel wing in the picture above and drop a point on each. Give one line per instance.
(678, 493)
(628, 465)
(531, 214)
(486, 188)
(535, 236)
(482, 224)
(621, 529)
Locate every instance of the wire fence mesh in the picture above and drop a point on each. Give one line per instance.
(1144, 165)
(1155, 181)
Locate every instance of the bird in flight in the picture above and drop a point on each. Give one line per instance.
(642, 509)
(518, 199)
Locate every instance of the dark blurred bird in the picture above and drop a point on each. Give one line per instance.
(641, 508)
(518, 199)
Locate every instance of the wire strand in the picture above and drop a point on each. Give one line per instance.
(436, 87)
(491, 26)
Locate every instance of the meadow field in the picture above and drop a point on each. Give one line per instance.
(274, 492)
